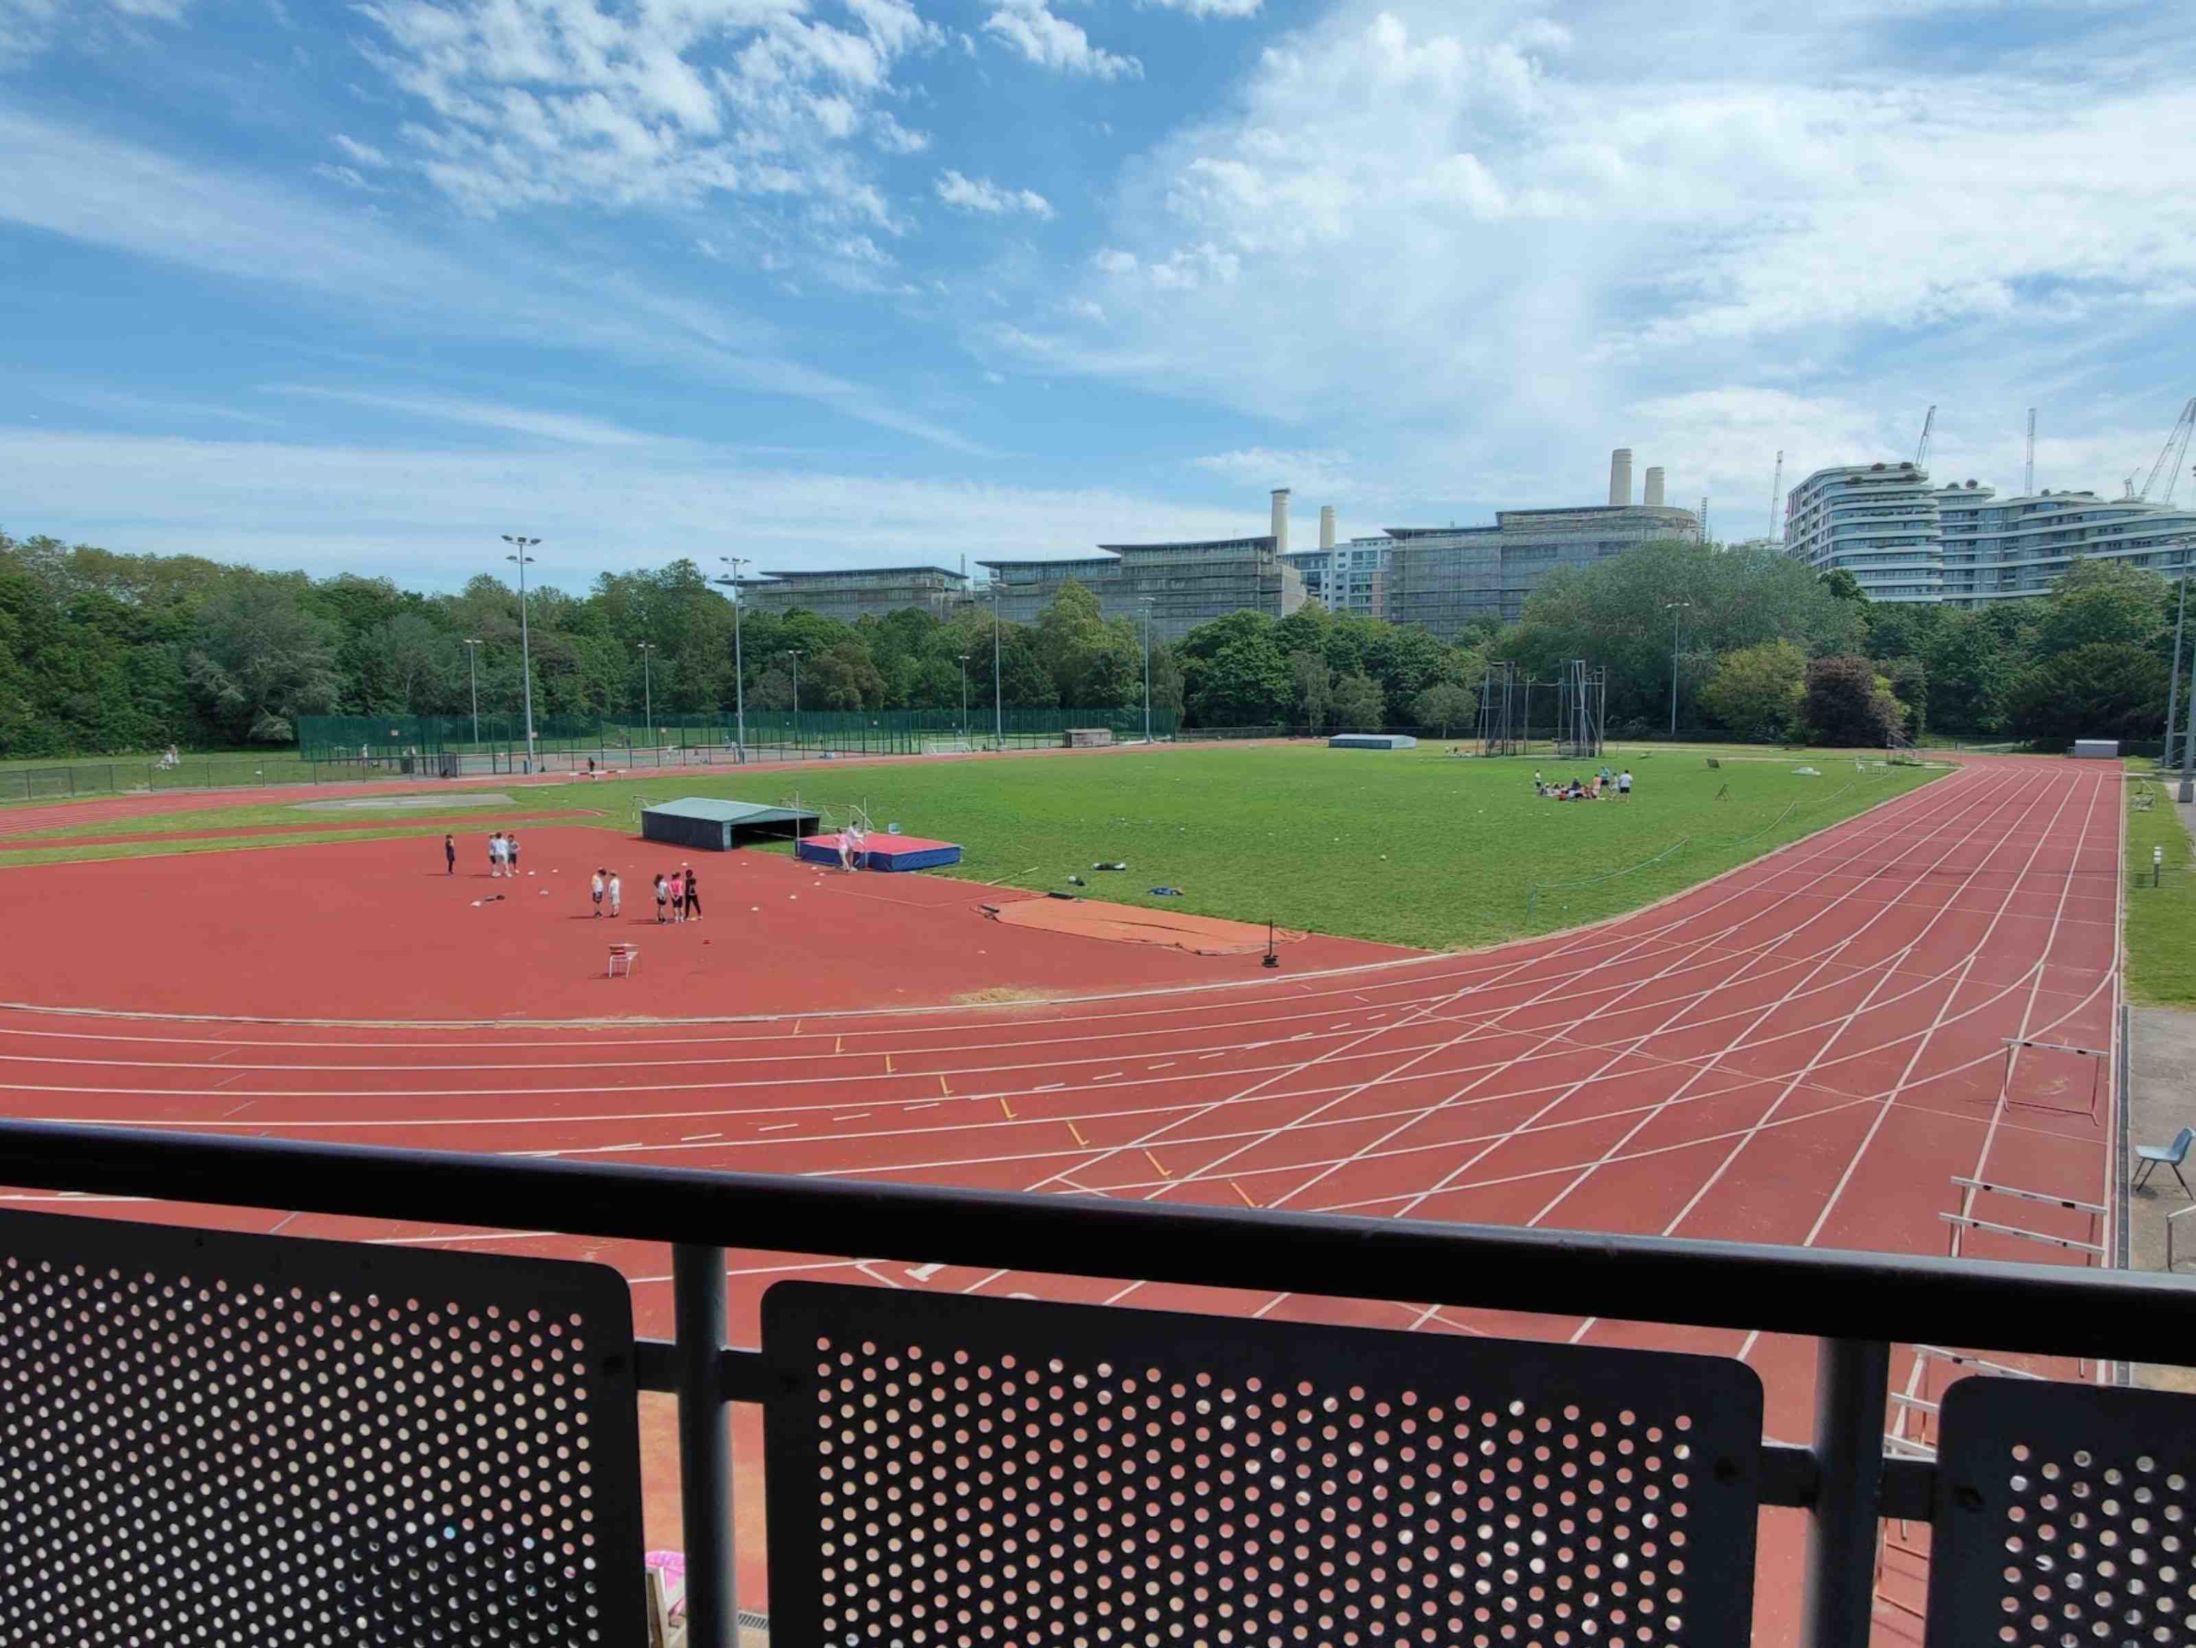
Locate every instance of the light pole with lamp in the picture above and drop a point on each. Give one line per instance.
(1146, 604)
(998, 695)
(1673, 608)
(648, 691)
(964, 697)
(519, 547)
(472, 679)
(794, 653)
(739, 665)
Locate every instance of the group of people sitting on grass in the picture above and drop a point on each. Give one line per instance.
(1602, 783)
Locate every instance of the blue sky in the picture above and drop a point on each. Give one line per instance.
(357, 287)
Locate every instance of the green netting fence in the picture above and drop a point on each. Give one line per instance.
(433, 744)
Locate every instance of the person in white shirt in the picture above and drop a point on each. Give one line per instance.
(495, 855)
(615, 893)
(596, 888)
(1624, 785)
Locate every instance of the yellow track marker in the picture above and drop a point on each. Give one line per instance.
(1078, 1132)
(947, 1091)
(1240, 1191)
(838, 1044)
(1159, 1166)
(1008, 1108)
(888, 1064)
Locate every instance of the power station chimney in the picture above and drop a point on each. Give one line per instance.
(1326, 526)
(1280, 520)
(1654, 488)
(1620, 477)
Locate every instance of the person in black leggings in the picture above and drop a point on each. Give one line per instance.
(693, 895)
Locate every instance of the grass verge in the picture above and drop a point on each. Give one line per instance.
(2161, 919)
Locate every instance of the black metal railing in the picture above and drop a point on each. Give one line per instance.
(1855, 1305)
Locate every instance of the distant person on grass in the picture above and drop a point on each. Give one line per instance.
(1624, 785)
(596, 888)
(663, 895)
(617, 894)
(693, 893)
(449, 855)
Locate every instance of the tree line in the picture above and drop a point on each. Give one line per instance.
(107, 653)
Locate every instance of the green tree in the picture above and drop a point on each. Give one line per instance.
(2102, 603)
(1618, 612)
(1446, 707)
(1313, 699)
(2106, 689)
(262, 660)
(1847, 703)
(1245, 684)
(1758, 691)
(1359, 704)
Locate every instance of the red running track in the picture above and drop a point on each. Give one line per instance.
(1803, 1051)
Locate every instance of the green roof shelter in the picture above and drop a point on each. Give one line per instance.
(716, 826)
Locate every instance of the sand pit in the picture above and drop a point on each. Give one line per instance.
(1130, 924)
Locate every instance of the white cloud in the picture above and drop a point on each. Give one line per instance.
(563, 427)
(562, 101)
(1208, 8)
(1486, 244)
(348, 176)
(364, 154)
(431, 516)
(1308, 471)
(29, 27)
(977, 194)
(1052, 42)
(151, 205)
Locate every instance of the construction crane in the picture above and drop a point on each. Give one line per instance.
(1921, 452)
(1776, 499)
(2028, 470)
(2170, 459)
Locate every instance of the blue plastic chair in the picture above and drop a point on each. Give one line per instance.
(2152, 1156)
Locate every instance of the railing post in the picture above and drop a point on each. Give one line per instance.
(1852, 1383)
(705, 1448)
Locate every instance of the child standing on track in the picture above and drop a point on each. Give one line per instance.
(495, 855)
(595, 887)
(662, 895)
(693, 893)
(449, 855)
(616, 894)
(510, 851)
(678, 896)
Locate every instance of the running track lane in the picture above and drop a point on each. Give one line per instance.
(1804, 1051)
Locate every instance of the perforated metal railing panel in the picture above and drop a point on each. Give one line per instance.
(2066, 1517)
(997, 1472)
(225, 1440)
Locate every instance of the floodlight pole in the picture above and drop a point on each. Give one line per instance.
(1146, 603)
(794, 653)
(520, 545)
(472, 678)
(1673, 608)
(648, 691)
(998, 695)
(964, 695)
(739, 667)
(2173, 676)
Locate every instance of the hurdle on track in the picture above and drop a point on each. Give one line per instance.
(2101, 1056)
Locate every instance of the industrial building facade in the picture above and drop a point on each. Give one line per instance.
(1904, 539)
(861, 593)
(1444, 577)
(1181, 585)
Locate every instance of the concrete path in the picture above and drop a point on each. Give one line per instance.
(2161, 1101)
